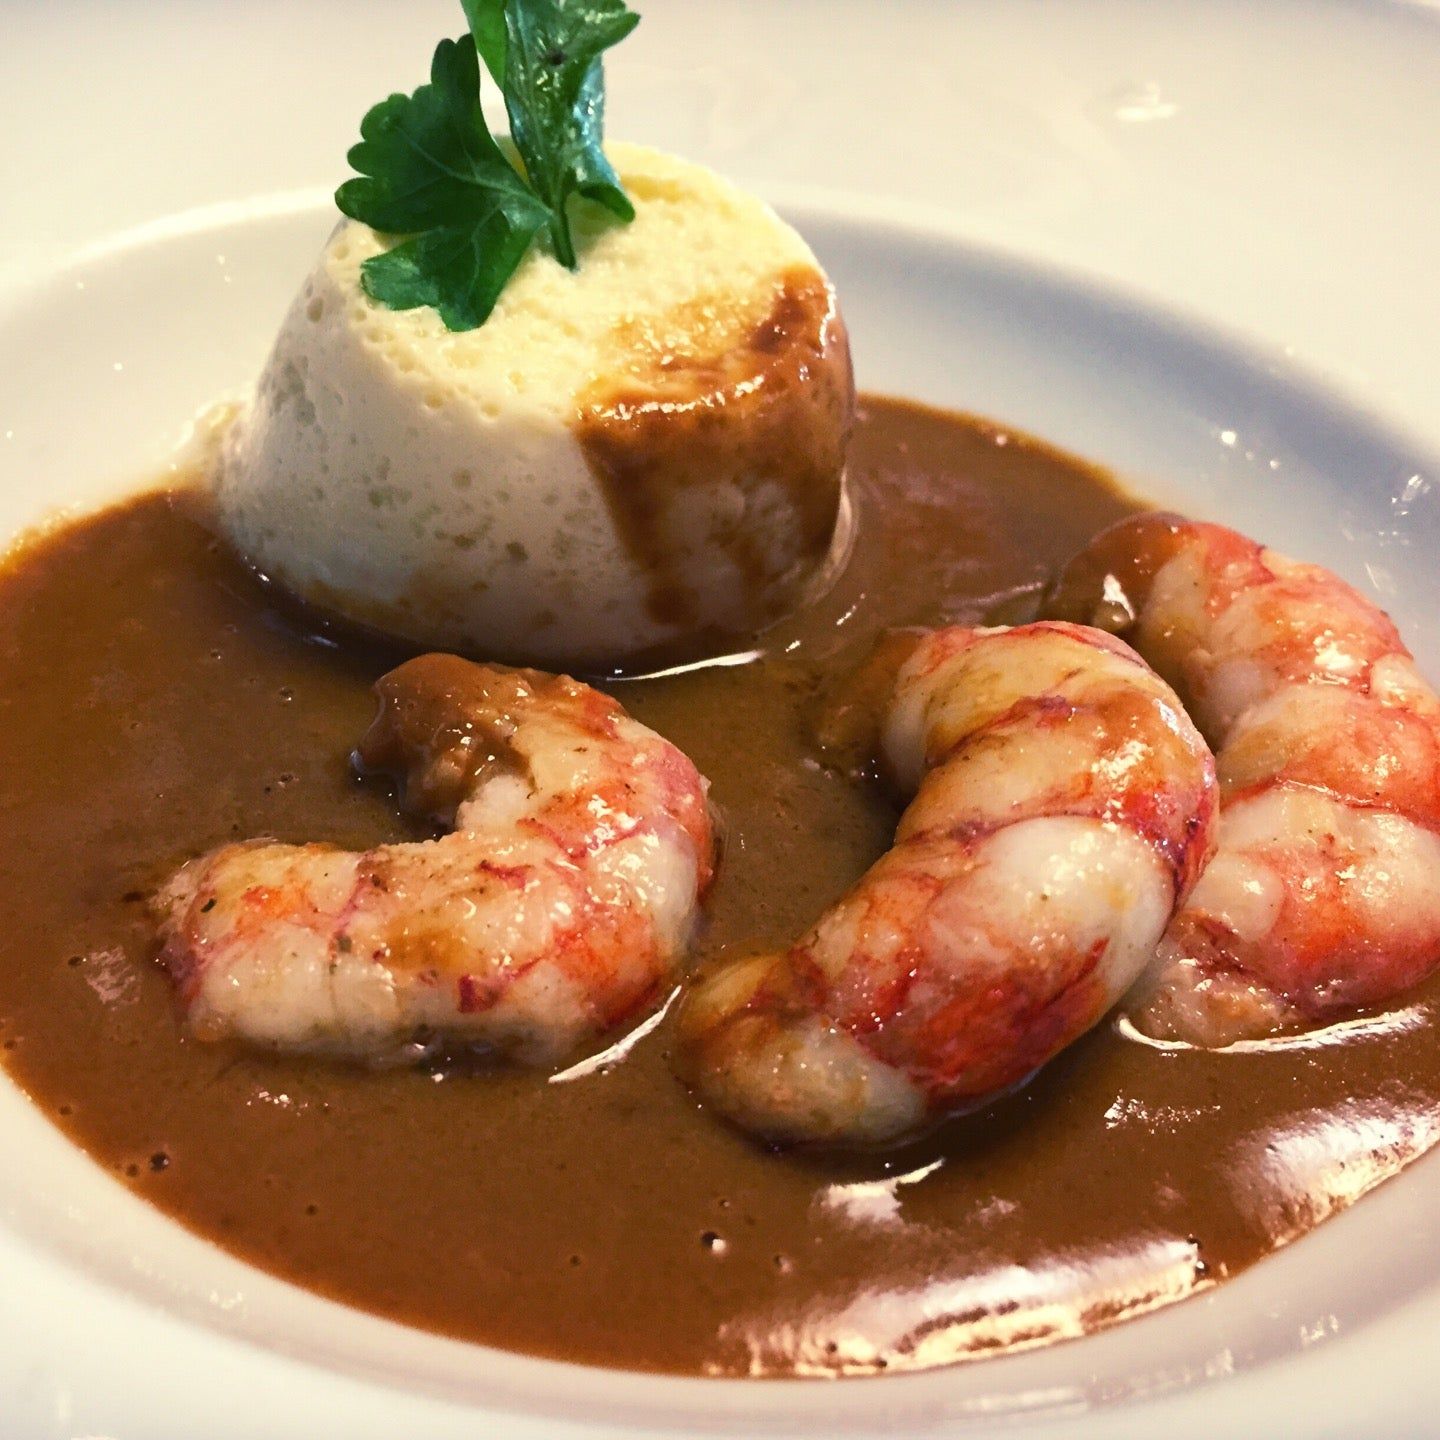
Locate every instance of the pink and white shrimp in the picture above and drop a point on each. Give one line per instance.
(1325, 894)
(560, 904)
(1063, 807)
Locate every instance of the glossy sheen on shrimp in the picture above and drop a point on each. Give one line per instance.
(1325, 893)
(1063, 806)
(559, 905)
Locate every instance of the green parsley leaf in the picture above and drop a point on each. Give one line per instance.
(430, 168)
(554, 82)
(486, 19)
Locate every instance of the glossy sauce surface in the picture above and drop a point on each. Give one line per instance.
(155, 702)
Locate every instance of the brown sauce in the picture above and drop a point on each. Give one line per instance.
(153, 703)
(751, 414)
(436, 758)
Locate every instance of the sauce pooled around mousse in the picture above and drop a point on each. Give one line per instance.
(155, 701)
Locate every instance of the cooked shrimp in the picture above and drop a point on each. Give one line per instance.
(559, 905)
(1062, 809)
(1325, 893)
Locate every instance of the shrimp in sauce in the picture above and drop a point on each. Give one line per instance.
(1063, 807)
(1325, 894)
(560, 904)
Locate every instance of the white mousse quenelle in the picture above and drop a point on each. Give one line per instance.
(641, 457)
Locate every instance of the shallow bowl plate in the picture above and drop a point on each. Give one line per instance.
(112, 1320)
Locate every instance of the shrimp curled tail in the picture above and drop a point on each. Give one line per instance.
(1063, 807)
(1325, 894)
(560, 905)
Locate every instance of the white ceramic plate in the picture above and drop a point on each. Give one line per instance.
(1192, 242)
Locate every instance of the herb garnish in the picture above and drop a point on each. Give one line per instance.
(429, 168)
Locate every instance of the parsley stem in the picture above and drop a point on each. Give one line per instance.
(560, 239)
